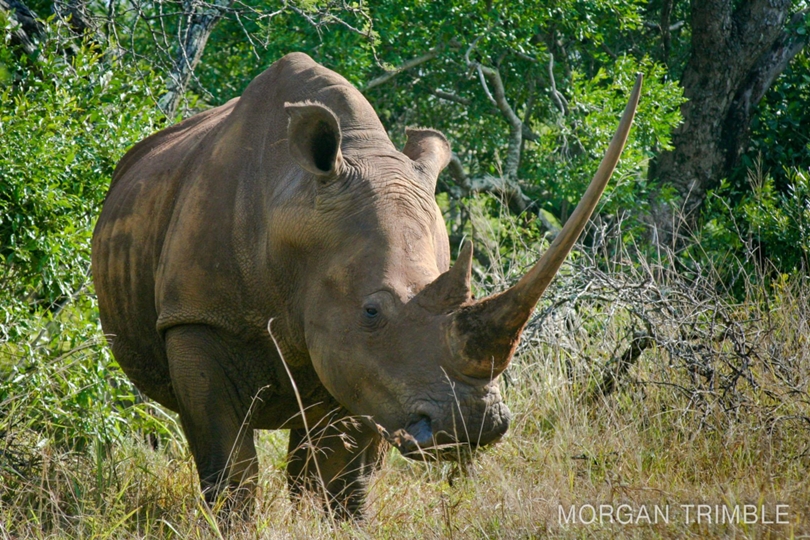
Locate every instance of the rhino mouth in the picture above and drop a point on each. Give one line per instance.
(419, 442)
(416, 438)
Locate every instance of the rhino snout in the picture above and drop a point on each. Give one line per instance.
(446, 436)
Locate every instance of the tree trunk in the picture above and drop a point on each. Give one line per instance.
(201, 19)
(76, 12)
(27, 28)
(736, 55)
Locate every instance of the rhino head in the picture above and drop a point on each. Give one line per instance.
(394, 333)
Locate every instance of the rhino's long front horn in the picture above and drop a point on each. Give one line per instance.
(484, 335)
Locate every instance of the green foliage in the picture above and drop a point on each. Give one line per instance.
(65, 389)
(780, 140)
(66, 117)
(765, 200)
(563, 161)
(780, 221)
(769, 230)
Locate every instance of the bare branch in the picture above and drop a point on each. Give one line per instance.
(201, 19)
(757, 24)
(515, 124)
(556, 96)
(456, 170)
(775, 60)
(674, 27)
(469, 50)
(484, 85)
(450, 97)
(505, 188)
(770, 64)
(525, 56)
(498, 98)
(410, 64)
(608, 50)
(528, 134)
(76, 14)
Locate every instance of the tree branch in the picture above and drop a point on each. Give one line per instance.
(756, 24)
(201, 21)
(505, 188)
(758, 80)
(558, 98)
(528, 134)
(483, 81)
(617, 368)
(674, 27)
(498, 98)
(776, 59)
(456, 170)
(410, 64)
(447, 96)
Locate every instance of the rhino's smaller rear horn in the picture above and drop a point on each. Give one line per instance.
(451, 289)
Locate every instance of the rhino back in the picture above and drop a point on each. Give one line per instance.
(227, 260)
(127, 243)
(196, 225)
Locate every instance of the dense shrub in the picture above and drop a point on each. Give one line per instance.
(66, 117)
(764, 232)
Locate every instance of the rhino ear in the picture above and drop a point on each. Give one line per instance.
(428, 149)
(313, 136)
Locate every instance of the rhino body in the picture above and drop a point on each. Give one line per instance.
(278, 252)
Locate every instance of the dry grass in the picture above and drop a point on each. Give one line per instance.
(713, 410)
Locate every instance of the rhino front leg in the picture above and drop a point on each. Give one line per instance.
(213, 415)
(346, 453)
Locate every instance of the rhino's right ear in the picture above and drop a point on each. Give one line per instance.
(313, 136)
(428, 149)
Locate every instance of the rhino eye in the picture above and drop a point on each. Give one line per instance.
(372, 318)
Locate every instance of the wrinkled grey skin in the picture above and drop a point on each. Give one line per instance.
(285, 220)
(306, 215)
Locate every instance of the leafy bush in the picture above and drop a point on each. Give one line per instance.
(67, 396)
(779, 138)
(767, 230)
(563, 161)
(66, 117)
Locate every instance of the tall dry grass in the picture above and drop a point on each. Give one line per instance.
(638, 382)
